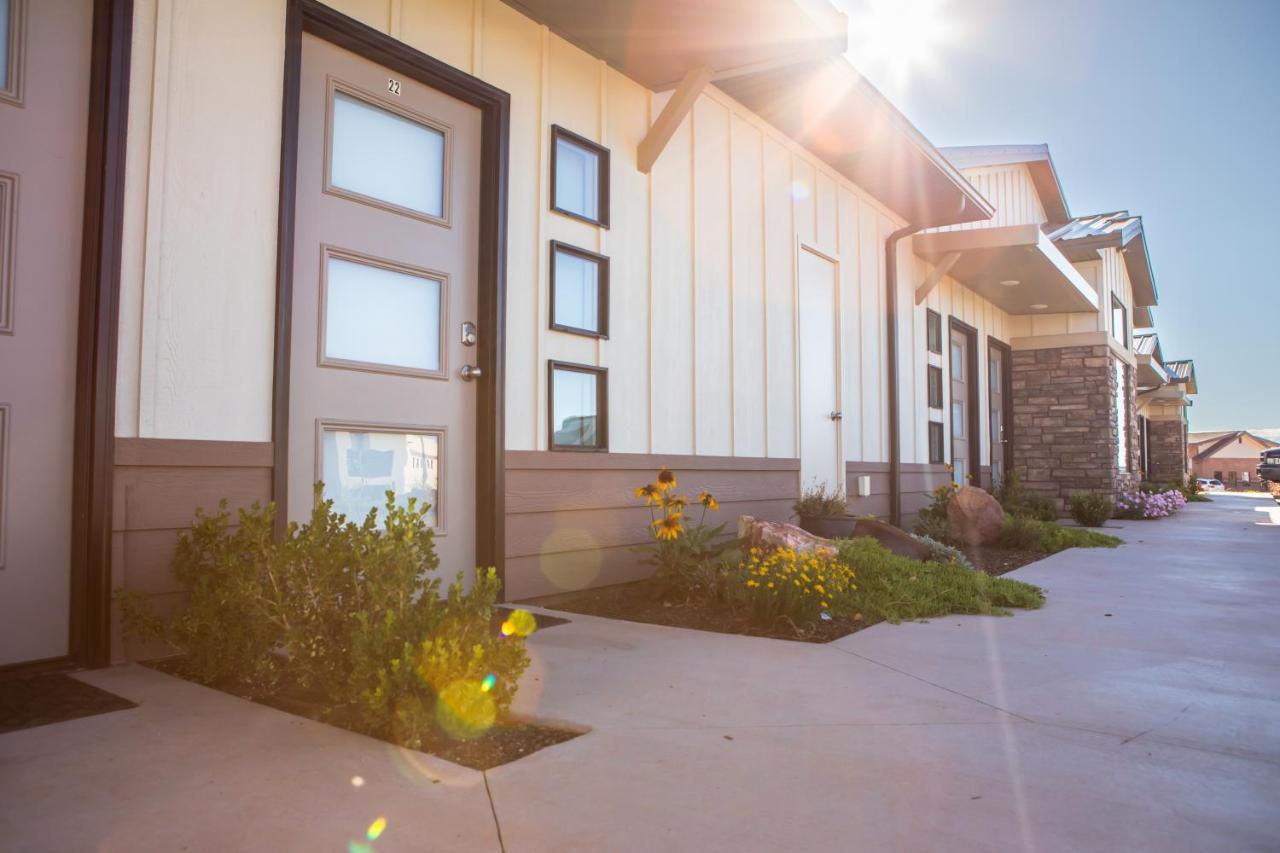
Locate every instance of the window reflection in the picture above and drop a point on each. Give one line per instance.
(360, 466)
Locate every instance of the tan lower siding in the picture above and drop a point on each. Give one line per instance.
(159, 485)
(573, 521)
(917, 481)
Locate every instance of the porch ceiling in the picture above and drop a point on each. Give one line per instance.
(1151, 374)
(1021, 253)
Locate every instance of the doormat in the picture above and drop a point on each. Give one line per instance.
(43, 699)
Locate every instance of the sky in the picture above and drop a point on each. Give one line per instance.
(1167, 108)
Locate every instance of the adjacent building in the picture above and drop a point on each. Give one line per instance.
(509, 259)
(1230, 456)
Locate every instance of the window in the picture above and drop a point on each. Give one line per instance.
(381, 315)
(1119, 321)
(933, 330)
(577, 407)
(579, 291)
(11, 31)
(957, 362)
(579, 177)
(936, 438)
(935, 387)
(390, 157)
(958, 424)
(1122, 419)
(359, 465)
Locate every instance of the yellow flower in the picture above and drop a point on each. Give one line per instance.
(770, 584)
(668, 527)
(707, 500)
(826, 604)
(666, 479)
(753, 583)
(677, 502)
(650, 492)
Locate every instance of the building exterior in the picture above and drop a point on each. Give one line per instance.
(1230, 456)
(1164, 400)
(510, 258)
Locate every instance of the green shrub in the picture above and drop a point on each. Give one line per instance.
(785, 586)
(940, 552)
(1046, 537)
(895, 588)
(1042, 508)
(819, 501)
(347, 612)
(935, 528)
(1092, 509)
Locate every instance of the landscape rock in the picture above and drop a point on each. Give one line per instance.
(758, 533)
(893, 538)
(975, 516)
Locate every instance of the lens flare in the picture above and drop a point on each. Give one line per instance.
(359, 847)
(489, 681)
(375, 829)
(465, 709)
(357, 781)
(799, 190)
(521, 623)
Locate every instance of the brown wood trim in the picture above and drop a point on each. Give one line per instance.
(1006, 390)
(975, 392)
(602, 289)
(495, 110)
(90, 616)
(602, 406)
(184, 453)
(551, 460)
(602, 179)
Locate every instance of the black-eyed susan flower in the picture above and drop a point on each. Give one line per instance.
(708, 500)
(668, 527)
(650, 492)
(666, 479)
(677, 503)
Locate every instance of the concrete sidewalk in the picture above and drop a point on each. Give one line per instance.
(1156, 727)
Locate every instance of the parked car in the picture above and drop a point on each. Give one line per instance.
(1210, 484)
(1269, 465)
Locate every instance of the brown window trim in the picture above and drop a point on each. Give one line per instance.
(932, 324)
(935, 390)
(602, 179)
(602, 406)
(937, 443)
(602, 288)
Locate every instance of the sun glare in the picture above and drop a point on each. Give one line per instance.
(892, 39)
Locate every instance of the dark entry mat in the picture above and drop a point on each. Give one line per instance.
(42, 699)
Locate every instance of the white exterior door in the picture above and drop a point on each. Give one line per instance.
(820, 463)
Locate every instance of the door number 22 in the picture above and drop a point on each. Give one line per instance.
(393, 86)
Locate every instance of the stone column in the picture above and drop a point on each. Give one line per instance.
(1065, 430)
(1167, 449)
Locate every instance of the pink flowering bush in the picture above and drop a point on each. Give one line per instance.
(1150, 504)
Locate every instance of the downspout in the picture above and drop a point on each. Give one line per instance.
(891, 353)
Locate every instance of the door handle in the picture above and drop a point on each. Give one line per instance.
(836, 416)
(470, 372)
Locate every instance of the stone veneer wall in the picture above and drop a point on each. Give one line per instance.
(1064, 424)
(1166, 450)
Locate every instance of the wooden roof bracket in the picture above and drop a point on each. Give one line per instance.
(944, 265)
(682, 101)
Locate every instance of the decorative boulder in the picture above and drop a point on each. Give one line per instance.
(895, 539)
(757, 533)
(975, 516)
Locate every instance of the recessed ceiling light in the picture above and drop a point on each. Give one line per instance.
(1039, 306)
(1011, 282)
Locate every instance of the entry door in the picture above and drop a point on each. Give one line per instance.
(384, 297)
(820, 415)
(962, 397)
(44, 108)
(996, 402)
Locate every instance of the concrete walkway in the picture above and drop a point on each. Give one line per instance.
(1139, 710)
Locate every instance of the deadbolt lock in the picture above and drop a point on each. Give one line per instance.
(469, 336)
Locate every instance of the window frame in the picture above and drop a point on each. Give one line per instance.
(934, 372)
(602, 406)
(933, 331)
(937, 442)
(602, 175)
(12, 91)
(602, 290)
(336, 86)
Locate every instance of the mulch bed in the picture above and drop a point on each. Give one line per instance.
(641, 601)
(29, 701)
(1000, 561)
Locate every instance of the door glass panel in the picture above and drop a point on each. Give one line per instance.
(960, 471)
(577, 292)
(375, 315)
(957, 419)
(575, 414)
(994, 376)
(358, 467)
(6, 14)
(957, 362)
(577, 175)
(386, 156)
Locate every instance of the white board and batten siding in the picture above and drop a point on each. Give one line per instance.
(1011, 190)
(704, 251)
(1109, 277)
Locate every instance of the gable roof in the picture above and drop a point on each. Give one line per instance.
(1147, 343)
(1183, 370)
(1230, 438)
(1037, 160)
(1083, 237)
